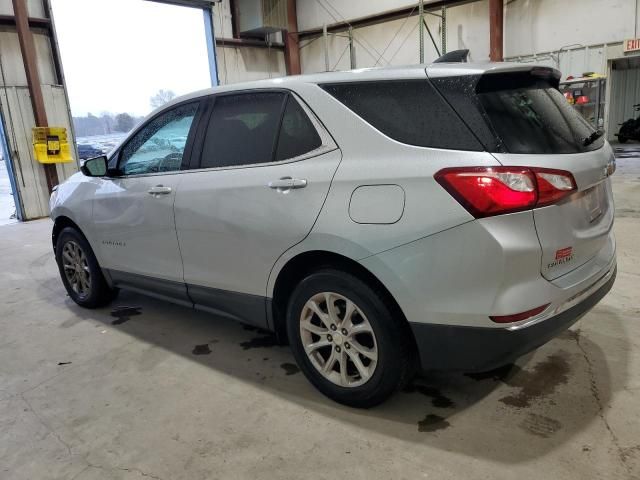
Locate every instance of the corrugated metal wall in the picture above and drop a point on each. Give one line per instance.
(243, 64)
(17, 113)
(623, 86)
(574, 61)
(29, 174)
(625, 92)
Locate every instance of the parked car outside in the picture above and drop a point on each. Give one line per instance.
(380, 221)
(86, 151)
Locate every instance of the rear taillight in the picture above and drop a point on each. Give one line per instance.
(488, 191)
(553, 185)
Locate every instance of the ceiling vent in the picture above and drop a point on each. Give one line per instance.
(258, 18)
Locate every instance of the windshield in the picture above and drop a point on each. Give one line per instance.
(538, 120)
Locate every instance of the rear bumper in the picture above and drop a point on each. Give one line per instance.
(464, 348)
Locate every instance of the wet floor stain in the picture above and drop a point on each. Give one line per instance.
(432, 423)
(437, 398)
(568, 335)
(540, 425)
(499, 374)
(124, 314)
(290, 368)
(251, 328)
(201, 349)
(260, 342)
(539, 382)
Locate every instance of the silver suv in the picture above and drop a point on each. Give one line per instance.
(448, 217)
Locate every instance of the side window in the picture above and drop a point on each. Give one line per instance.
(297, 134)
(159, 146)
(242, 129)
(409, 111)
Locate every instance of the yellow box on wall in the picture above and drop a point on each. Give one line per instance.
(50, 145)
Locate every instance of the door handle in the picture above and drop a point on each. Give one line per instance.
(287, 183)
(159, 190)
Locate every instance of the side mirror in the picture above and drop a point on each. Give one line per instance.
(94, 167)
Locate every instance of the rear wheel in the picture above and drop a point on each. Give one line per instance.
(80, 272)
(346, 340)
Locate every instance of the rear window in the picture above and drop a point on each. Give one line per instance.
(409, 111)
(242, 129)
(519, 113)
(537, 120)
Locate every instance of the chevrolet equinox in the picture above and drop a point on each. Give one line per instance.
(381, 221)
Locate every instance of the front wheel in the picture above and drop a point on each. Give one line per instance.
(346, 339)
(80, 272)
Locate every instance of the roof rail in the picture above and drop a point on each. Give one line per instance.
(455, 56)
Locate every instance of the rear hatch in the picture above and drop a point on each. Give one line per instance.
(523, 120)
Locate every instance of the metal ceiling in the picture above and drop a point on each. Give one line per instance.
(189, 3)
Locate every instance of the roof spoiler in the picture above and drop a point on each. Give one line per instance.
(456, 56)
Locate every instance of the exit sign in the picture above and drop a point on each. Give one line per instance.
(632, 45)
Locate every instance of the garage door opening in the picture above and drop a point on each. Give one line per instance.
(9, 201)
(138, 56)
(625, 93)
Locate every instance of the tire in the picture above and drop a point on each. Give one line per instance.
(626, 131)
(74, 251)
(388, 360)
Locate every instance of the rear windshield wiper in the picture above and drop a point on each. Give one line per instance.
(586, 141)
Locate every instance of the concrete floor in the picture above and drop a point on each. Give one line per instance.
(159, 391)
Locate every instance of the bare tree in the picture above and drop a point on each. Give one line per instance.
(162, 97)
(124, 122)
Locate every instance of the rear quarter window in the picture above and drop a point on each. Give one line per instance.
(409, 111)
(297, 134)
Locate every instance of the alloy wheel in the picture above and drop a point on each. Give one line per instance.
(338, 339)
(76, 269)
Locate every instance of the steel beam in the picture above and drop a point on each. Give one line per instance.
(291, 41)
(352, 50)
(55, 48)
(421, 30)
(496, 29)
(325, 35)
(443, 28)
(28, 51)
(10, 20)
(209, 34)
(235, 24)
(248, 42)
(435, 45)
(382, 17)
(189, 3)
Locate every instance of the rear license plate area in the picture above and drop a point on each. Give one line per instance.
(594, 202)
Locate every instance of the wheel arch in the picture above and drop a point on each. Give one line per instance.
(307, 262)
(60, 223)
